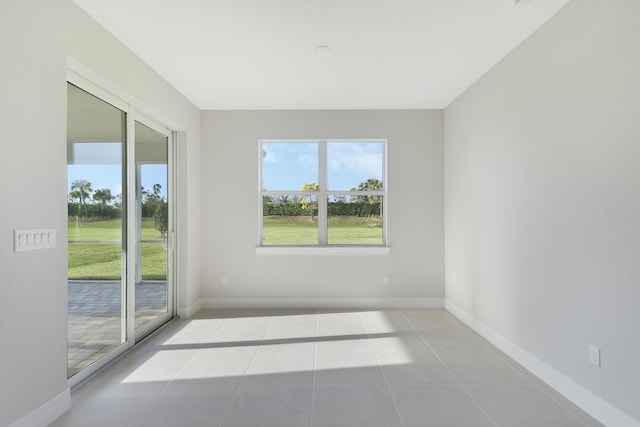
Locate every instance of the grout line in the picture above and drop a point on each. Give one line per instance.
(139, 413)
(386, 382)
(556, 401)
(478, 405)
(313, 377)
(235, 395)
(449, 371)
(155, 396)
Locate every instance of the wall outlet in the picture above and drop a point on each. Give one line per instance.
(224, 279)
(594, 355)
(385, 280)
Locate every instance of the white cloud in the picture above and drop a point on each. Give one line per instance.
(308, 161)
(361, 158)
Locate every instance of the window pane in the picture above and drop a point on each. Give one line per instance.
(96, 289)
(289, 165)
(355, 220)
(152, 256)
(290, 220)
(354, 165)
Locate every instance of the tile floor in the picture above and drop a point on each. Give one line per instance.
(318, 368)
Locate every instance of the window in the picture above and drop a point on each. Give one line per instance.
(322, 193)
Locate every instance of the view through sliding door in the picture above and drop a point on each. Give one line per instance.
(120, 229)
(97, 296)
(153, 249)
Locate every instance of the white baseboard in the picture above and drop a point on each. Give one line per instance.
(48, 412)
(187, 312)
(591, 404)
(327, 303)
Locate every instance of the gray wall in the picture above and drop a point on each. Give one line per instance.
(230, 208)
(35, 39)
(542, 201)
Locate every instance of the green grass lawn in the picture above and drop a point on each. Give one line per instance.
(108, 230)
(301, 230)
(289, 230)
(103, 260)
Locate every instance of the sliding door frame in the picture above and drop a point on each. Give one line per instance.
(134, 114)
(133, 236)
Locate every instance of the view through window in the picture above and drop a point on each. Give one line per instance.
(322, 193)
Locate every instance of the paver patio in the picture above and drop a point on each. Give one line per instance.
(95, 315)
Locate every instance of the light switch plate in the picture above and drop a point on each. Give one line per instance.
(28, 240)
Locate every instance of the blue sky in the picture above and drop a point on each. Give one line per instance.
(288, 166)
(100, 164)
(110, 176)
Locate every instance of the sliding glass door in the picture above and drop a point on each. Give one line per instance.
(97, 301)
(153, 249)
(120, 212)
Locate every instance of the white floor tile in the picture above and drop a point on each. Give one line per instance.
(437, 406)
(294, 322)
(267, 405)
(452, 339)
(343, 340)
(353, 406)
(398, 341)
(479, 367)
(145, 367)
(413, 368)
(212, 365)
(340, 320)
(281, 368)
(385, 321)
(238, 341)
(294, 341)
(587, 419)
(255, 323)
(323, 367)
(523, 405)
(187, 404)
(347, 368)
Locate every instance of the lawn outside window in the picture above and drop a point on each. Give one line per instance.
(319, 194)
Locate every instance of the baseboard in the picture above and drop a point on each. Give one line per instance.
(323, 303)
(187, 312)
(591, 404)
(48, 412)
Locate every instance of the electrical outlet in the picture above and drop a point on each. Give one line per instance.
(594, 355)
(224, 279)
(385, 280)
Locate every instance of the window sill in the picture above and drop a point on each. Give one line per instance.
(323, 250)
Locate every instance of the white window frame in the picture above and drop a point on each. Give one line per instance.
(323, 247)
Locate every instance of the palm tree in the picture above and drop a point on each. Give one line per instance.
(73, 195)
(103, 196)
(83, 187)
(371, 184)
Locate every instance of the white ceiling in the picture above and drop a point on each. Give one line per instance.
(261, 54)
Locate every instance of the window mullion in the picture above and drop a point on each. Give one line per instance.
(322, 194)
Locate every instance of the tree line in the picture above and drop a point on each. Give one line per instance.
(361, 206)
(86, 204)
